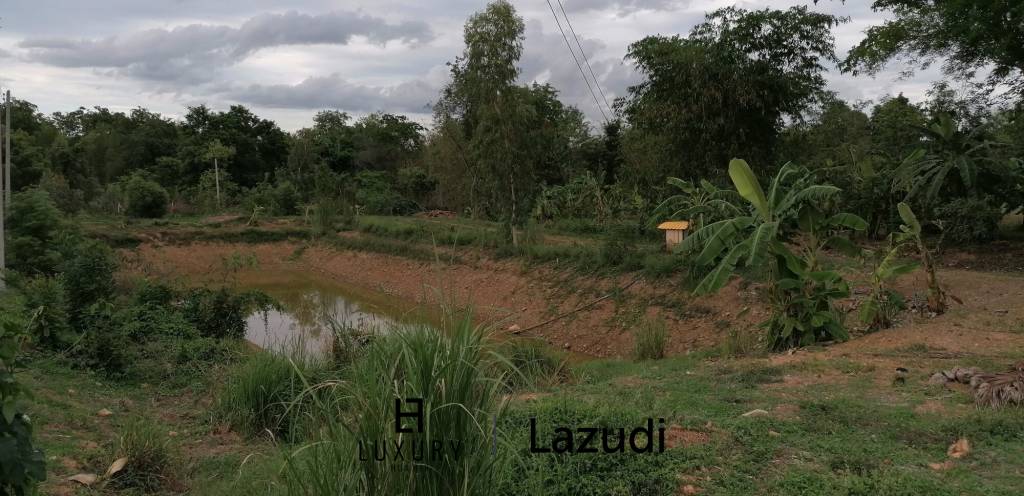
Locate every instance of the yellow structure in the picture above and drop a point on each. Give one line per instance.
(675, 231)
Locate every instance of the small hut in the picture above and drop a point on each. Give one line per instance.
(675, 231)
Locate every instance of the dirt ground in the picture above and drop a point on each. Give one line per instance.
(509, 294)
(503, 293)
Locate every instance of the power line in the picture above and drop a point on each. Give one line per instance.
(584, 54)
(578, 65)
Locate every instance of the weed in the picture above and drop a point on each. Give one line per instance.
(147, 448)
(649, 340)
(530, 363)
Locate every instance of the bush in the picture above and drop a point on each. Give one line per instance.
(286, 199)
(216, 313)
(104, 345)
(35, 231)
(45, 297)
(375, 193)
(88, 278)
(649, 340)
(145, 197)
(151, 321)
(147, 448)
(24, 466)
(969, 220)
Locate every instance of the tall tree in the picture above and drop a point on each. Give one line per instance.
(725, 90)
(966, 35)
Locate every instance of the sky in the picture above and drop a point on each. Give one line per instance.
(288, 60)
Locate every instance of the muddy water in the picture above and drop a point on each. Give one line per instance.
(309, 304)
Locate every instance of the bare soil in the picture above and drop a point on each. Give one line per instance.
(507, 293)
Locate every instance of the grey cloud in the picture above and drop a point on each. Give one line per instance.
(622, 7)
(191, 53)
(414, 96)
(546, 56)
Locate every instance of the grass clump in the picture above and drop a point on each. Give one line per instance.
(461, 401)
(147, 449)
(530, 363)
(649, 340)
(262, 393)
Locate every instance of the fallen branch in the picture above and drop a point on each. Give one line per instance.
(581, 307)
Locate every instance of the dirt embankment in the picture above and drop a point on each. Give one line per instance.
(508, 293)
(503, 292)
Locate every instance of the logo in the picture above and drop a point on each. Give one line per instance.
(611, 440)
(410, 443)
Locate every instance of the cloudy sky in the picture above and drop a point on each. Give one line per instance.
(286, 60)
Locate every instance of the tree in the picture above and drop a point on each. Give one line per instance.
(967, 35)
(495, 116)
(724, 90)
(145, 197)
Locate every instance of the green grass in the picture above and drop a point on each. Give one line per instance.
(847, 436)
(447, 371)
(149, 457)
(262, 394)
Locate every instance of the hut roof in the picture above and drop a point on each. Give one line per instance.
(674, 225)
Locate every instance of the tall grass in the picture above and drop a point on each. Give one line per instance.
(261, 394)
(148, 452)
(530, 363)
(461, 403)
(649, 340)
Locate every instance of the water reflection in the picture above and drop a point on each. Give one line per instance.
(309, 305)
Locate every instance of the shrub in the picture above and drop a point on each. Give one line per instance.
(153, 292)
(649, 340)
(35, 232)
(375, 193)
(24, 466)
(147, 448)
(46, 297)
(151, 321)
(415, 183)
(216, 313)
(286, 199)
(104, 345)
(969, 220)
(145, 197)
(88, 277)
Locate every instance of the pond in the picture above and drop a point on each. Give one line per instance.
(312, 304)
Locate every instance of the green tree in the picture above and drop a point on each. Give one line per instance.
(145, 197)
(725, 89)
(966, 35)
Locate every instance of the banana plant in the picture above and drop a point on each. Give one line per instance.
(882, 305)
(699, 204)
(785, 218)
(748, 240)
(910, 232)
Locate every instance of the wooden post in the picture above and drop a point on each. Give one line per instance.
(216, 180)
(7, 161)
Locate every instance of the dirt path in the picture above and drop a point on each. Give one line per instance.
(503, 292)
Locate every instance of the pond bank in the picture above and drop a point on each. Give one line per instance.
(504, 293)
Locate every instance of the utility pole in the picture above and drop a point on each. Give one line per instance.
(5, 152)
(7, 166)
(216, 180)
